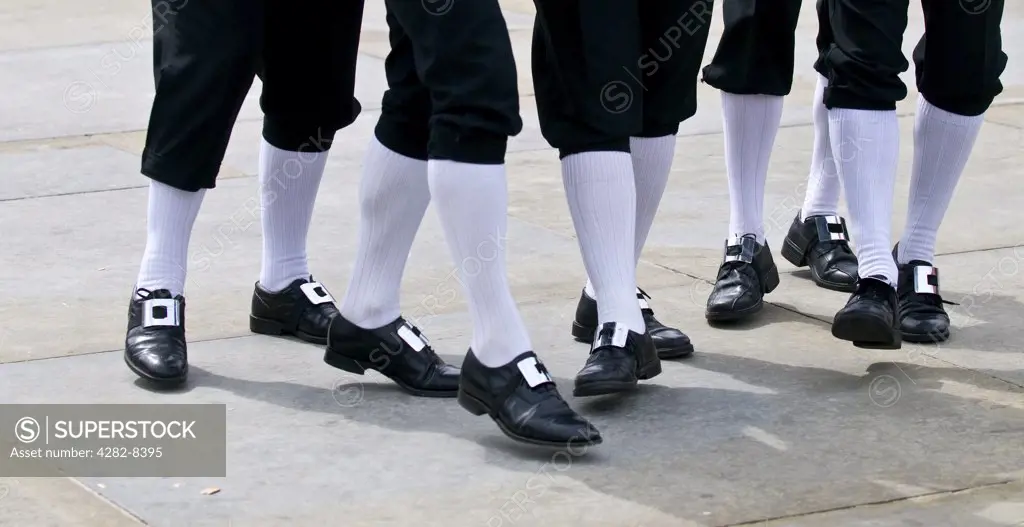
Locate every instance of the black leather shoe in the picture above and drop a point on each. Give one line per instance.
(670, 342)
(303, 309)
(398, 351)
(154, 347)
(618, 359)
(870, 318)
(922, 317)
(747, 273)
(823, 244)
(523, 400)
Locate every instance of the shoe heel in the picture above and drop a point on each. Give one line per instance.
(650, 371)
(471, 404)
(265, 326)
(771, 280)
(582, 334)
(793, 254)
(343, 363)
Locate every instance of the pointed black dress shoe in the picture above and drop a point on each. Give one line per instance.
(823, 244)
(618, 359)
(523, 400)
(670, 342)
(399, 351)
(304, 309)
(922, 317)
(870, 318)
(154, 347)
(747, 273)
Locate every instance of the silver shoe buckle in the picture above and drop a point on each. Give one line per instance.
(534, 372)
(926, 280)
(610, 334)
(413, 337)
(831, 228)
(747, 249)
(316, 293)
(160, 312)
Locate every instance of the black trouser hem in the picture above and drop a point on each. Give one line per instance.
(717, 82)
(478, 147)
(660, 130)
(838, 98)
(405, 140)
(611, 145)
(299, 136)
(171, 174)
(968, 108)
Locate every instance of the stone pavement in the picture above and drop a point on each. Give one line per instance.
(773, 423)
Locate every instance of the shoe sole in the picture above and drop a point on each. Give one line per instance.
(771, 283)
(586, 335)
(266, 326)
(591, 389)
(734, 316)
(477, 407)
(866, 331)
(925, 338)
(163, 382)
(337, 360)
(793, 255)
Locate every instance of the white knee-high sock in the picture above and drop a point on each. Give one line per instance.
(865, 145)
(601, 191)
(942, 145)
(751, 123)
(823, 186)
(171, 215)
(393, 197)
(472, 202)
(289, 182)
(652, 163)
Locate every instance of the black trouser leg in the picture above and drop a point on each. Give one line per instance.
(959, 59)
(308, 71)
(205, 56)
(755, 54)
(461, 57)
(863, 59)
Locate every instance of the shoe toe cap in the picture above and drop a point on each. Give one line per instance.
(842, 273)
(446, 378)
(925, 324)
(162, 366)
(568, 429)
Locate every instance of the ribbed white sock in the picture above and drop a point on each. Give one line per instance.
(823, 186)
(751, 123)
(865, 145)
(289, 182)
(170, 217)
(472, 202)
(393, 197)
(942, 145)
(652, 163)
(601, 191)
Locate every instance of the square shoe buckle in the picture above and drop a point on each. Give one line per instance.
(534, 372)
(740, 249)
(610, 334)
(413, 337)
(316, 293)
(160, 312)
(926, 280)
(831, 228)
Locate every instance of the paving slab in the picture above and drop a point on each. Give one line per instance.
(772, 420)
(991, 506)
(743, 430)
(57, 502)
